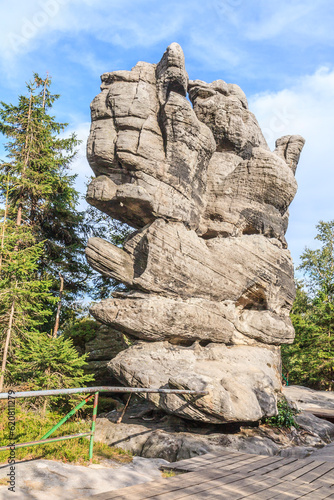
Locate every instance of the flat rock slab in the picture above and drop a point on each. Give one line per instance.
(41, 479)
(326, 453)
(309, 399)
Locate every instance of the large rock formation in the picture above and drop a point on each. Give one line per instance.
(209, 275)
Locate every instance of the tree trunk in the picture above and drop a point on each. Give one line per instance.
(44, 90)
(46, 398)
(5, 351)
(4, 223)
(55, 330)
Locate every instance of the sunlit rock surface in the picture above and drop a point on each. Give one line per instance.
(209, 275)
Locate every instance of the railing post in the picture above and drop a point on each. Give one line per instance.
(93, 391)
(55, 427)
(91, 442)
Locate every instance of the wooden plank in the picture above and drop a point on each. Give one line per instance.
(199, 459)
(288, 470)
(190, 468)
(154, 488)
(266, 465)
(283, 487)
(189, 490)
(200, 490)
(243, 488)
(291, 491)
(303, 469)
(235, 455)
(232, 463)
(236, 463)
(228, 488)
(317, 472)
(224, 463)
(319, 494)
(205, 457)
(267, 493)
(326, 479)
(197, 464)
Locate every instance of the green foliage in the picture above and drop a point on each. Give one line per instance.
(42, 242)
(43, 197)
(285, 416)
(25, 299)
(48, 363)
(310, 359)
(81, 331)
(41, 188)
(32, 425)
(318, 265)
(19, 282)
(169, 473)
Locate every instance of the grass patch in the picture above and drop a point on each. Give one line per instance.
(169, 473)
(31, 425)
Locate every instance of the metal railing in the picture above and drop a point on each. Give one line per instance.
(95, 390)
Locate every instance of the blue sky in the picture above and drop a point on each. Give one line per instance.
(280, 53)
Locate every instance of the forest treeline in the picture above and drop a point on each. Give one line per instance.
(46, 283)
(309, 360)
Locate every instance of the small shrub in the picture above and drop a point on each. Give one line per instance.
(285, 417)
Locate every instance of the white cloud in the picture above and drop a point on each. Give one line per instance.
(126, 24)
(218, 33)
(29, 22)
(276, 18)
(299, 21)
(203, 47)
(306, 108)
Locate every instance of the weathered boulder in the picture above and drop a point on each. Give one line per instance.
(209, 275)
(39, 479)
(182, 320)
(147, 140)
(241, 380)
(216, 269)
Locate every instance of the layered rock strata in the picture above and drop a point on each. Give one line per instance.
(209, 275)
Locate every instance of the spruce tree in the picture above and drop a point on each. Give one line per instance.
(44, 362)
(310, 359)
(25, 299)
(41, 187)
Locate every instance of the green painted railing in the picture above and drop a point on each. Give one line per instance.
(95, 390)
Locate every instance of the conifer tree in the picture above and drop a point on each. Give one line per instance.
(41, 189)
(310, 359)
(25, 300)
(44, 362)
(42, 197)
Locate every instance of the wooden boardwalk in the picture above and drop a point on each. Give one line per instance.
(232, 476)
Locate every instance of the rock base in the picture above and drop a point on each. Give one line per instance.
(150, 433)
